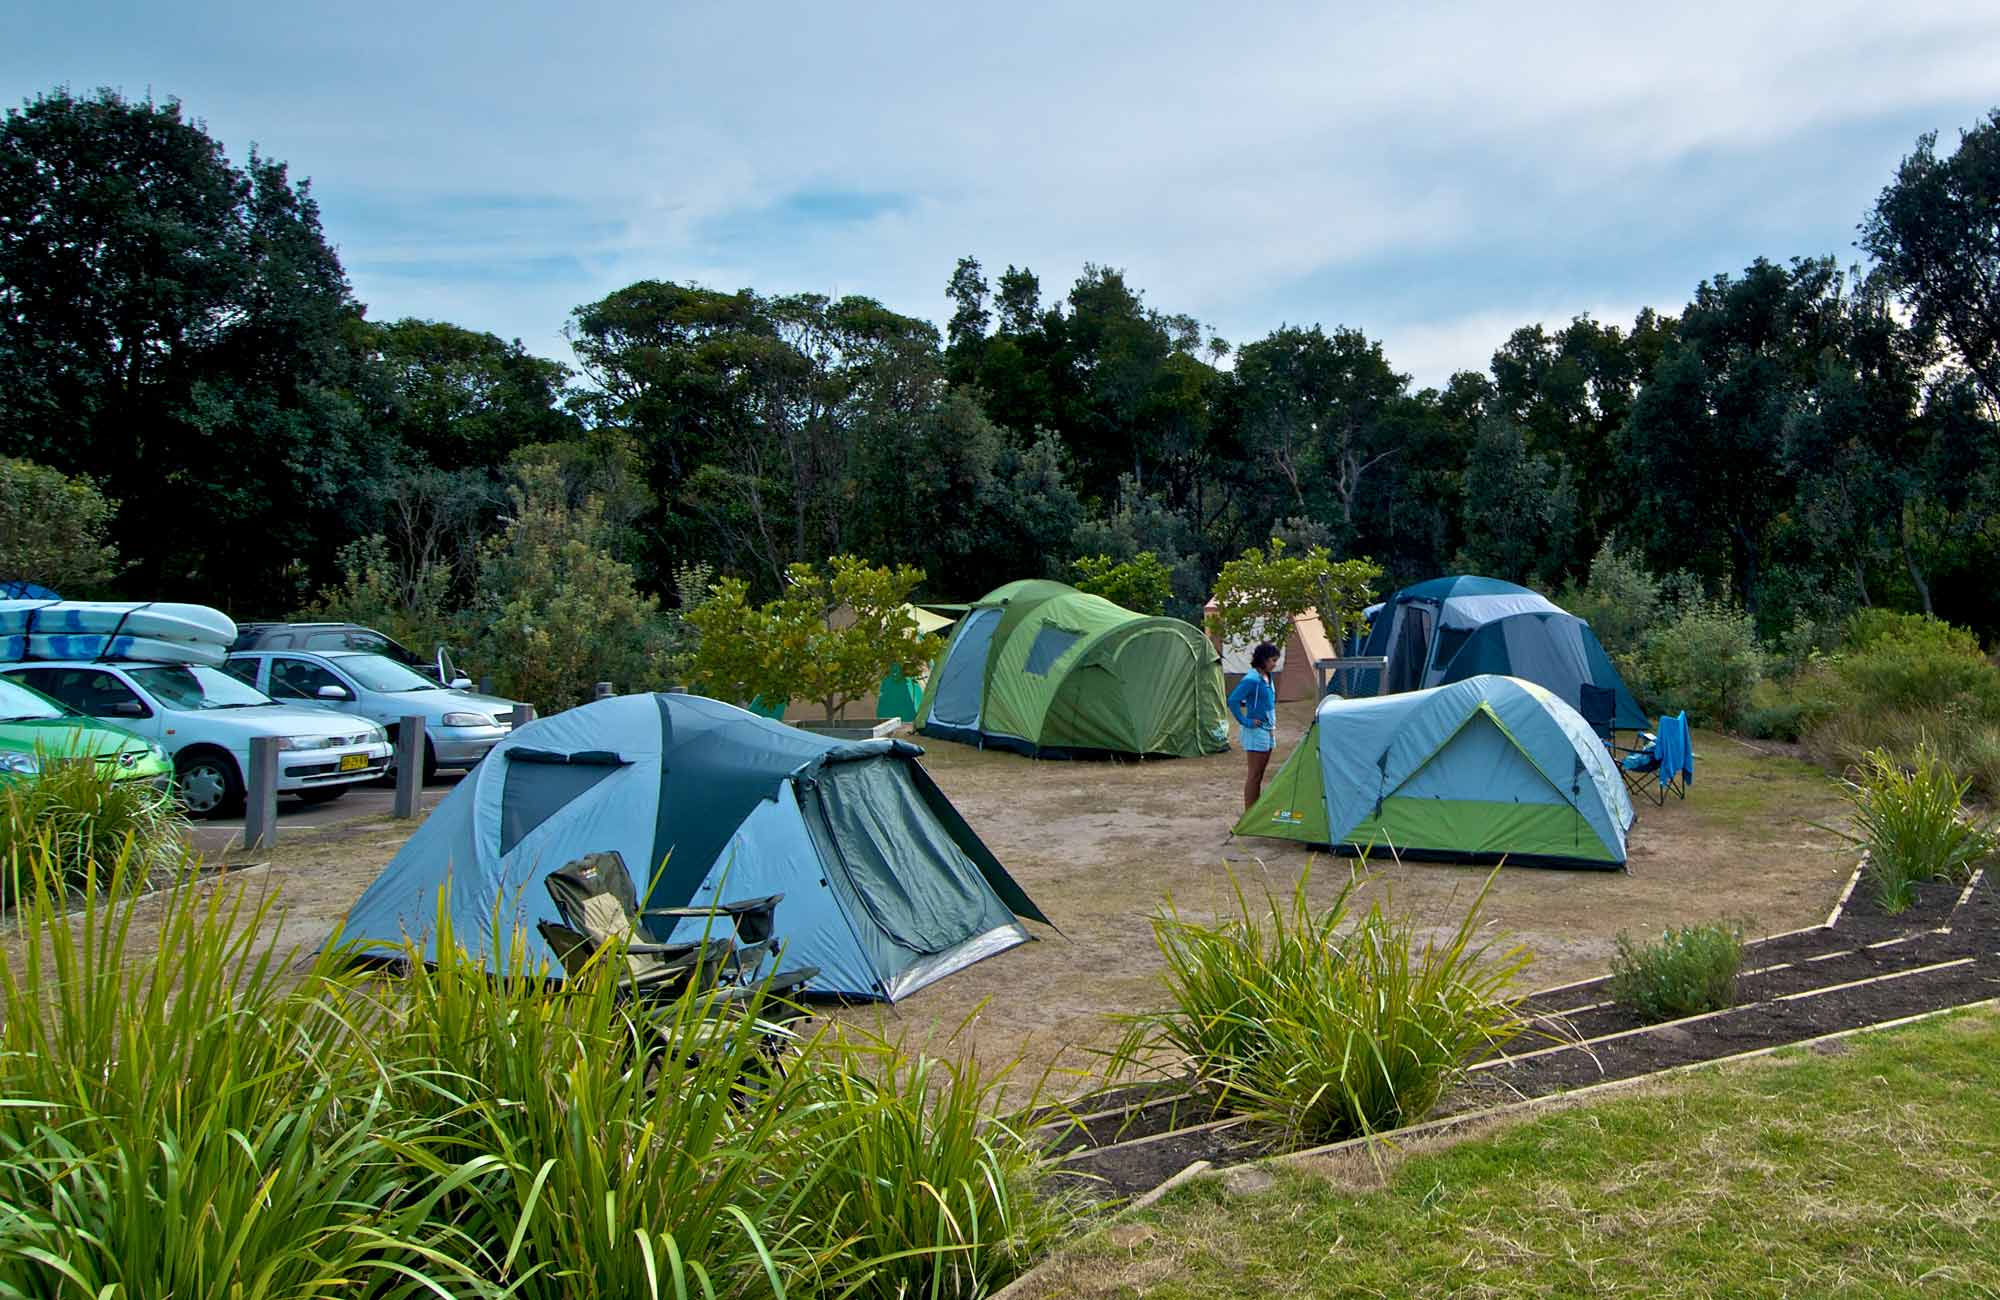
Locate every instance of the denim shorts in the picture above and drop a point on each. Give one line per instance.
(1259, 740)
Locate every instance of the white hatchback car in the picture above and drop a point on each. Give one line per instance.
(205, 719)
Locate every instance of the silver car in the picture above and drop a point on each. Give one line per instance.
(459, 726)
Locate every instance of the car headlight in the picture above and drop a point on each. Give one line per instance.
(467, 720)
(286, 742)
(22, 764)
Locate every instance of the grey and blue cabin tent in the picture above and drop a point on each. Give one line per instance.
(1451, 629)
(1551, 649)
(1421, 627)
(886, 887)
(1485, 769)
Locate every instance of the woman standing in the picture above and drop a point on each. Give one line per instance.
(1254, 704)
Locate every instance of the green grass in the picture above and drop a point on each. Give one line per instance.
(1687, 970)
(1873, 1172)
(1327, 1023)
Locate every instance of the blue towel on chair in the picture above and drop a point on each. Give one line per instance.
(1676, 749)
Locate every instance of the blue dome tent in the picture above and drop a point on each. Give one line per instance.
(1481, 770)
(886, 887)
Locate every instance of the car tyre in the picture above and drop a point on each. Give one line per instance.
(207, 783)
(320, 794)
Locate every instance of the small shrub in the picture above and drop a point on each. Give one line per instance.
(1773, 713)
(1913, 822)
(75, 821)
(1621, 599)
(1329, 1024)
(1686, 971)
(1706, 660)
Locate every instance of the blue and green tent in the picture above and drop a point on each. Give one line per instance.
(886, 887)
(1480, 770)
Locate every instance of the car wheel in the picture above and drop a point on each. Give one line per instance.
(207, 784)
(430, 762)
(322, 794)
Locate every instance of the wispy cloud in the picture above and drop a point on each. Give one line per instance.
(1434, 174)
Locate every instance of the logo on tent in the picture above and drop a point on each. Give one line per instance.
(1288, 817)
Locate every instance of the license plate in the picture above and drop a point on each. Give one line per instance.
(354, 762)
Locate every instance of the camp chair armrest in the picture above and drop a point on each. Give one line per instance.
(691, 951)
(725, 909)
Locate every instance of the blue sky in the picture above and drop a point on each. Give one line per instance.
(1433, 174)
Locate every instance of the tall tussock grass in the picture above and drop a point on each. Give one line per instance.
(1911, 817)
(75, 820)
(1329, 1023)
(188, 1109)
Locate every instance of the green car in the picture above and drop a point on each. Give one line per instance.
(35, 729)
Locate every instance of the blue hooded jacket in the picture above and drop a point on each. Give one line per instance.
(1254, 698)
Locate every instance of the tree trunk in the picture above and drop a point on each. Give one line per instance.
(1910, 563)
(1861, 582)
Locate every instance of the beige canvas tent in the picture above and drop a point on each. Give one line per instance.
(1296, 679)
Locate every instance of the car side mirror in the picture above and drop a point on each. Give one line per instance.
(332, 692)
(128, 709)
(461, 683)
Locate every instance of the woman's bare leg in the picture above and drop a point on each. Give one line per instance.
(1253, 781)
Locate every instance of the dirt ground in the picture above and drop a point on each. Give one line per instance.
(1100, 845)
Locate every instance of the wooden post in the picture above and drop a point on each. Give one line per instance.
(523, 715)
(409, 765)
(486, 686)
(602, 691)
(260, 809)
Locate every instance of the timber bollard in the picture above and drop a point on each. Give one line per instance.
(409, 765)
(602, 691)
(260, 794)
(486, 686)
(523, 715)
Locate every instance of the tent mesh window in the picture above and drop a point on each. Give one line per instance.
(1450, 640)
(1051, 643)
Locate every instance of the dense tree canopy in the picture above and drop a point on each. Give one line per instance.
(1799, 439)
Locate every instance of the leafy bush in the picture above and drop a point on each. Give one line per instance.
(1773, 713)
(1705, 659)
(1141, 584)
(1329, 1024)
(76, 821)
(409, 605)
(1912, 821)
(831, 637)
(54, 529)
(1686, 971)
(1912, 661)
(1258, 594)
(556, 612)
(1621, 599)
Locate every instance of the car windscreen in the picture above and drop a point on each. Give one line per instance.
(19, 704)
(197, 686)
(381, 673)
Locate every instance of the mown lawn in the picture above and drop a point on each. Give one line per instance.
(1870, 1170)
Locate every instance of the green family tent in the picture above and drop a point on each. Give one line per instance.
(886, 887)
(1450, 629)
(1049, 670)
(1478, 770)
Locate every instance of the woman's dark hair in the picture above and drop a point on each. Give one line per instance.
(1265, 653)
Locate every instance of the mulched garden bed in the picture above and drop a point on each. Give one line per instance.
(1865, 968)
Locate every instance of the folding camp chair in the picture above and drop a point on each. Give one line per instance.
(1664, 763)
(595, 897)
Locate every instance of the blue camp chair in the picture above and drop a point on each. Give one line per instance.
(1664, 762)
